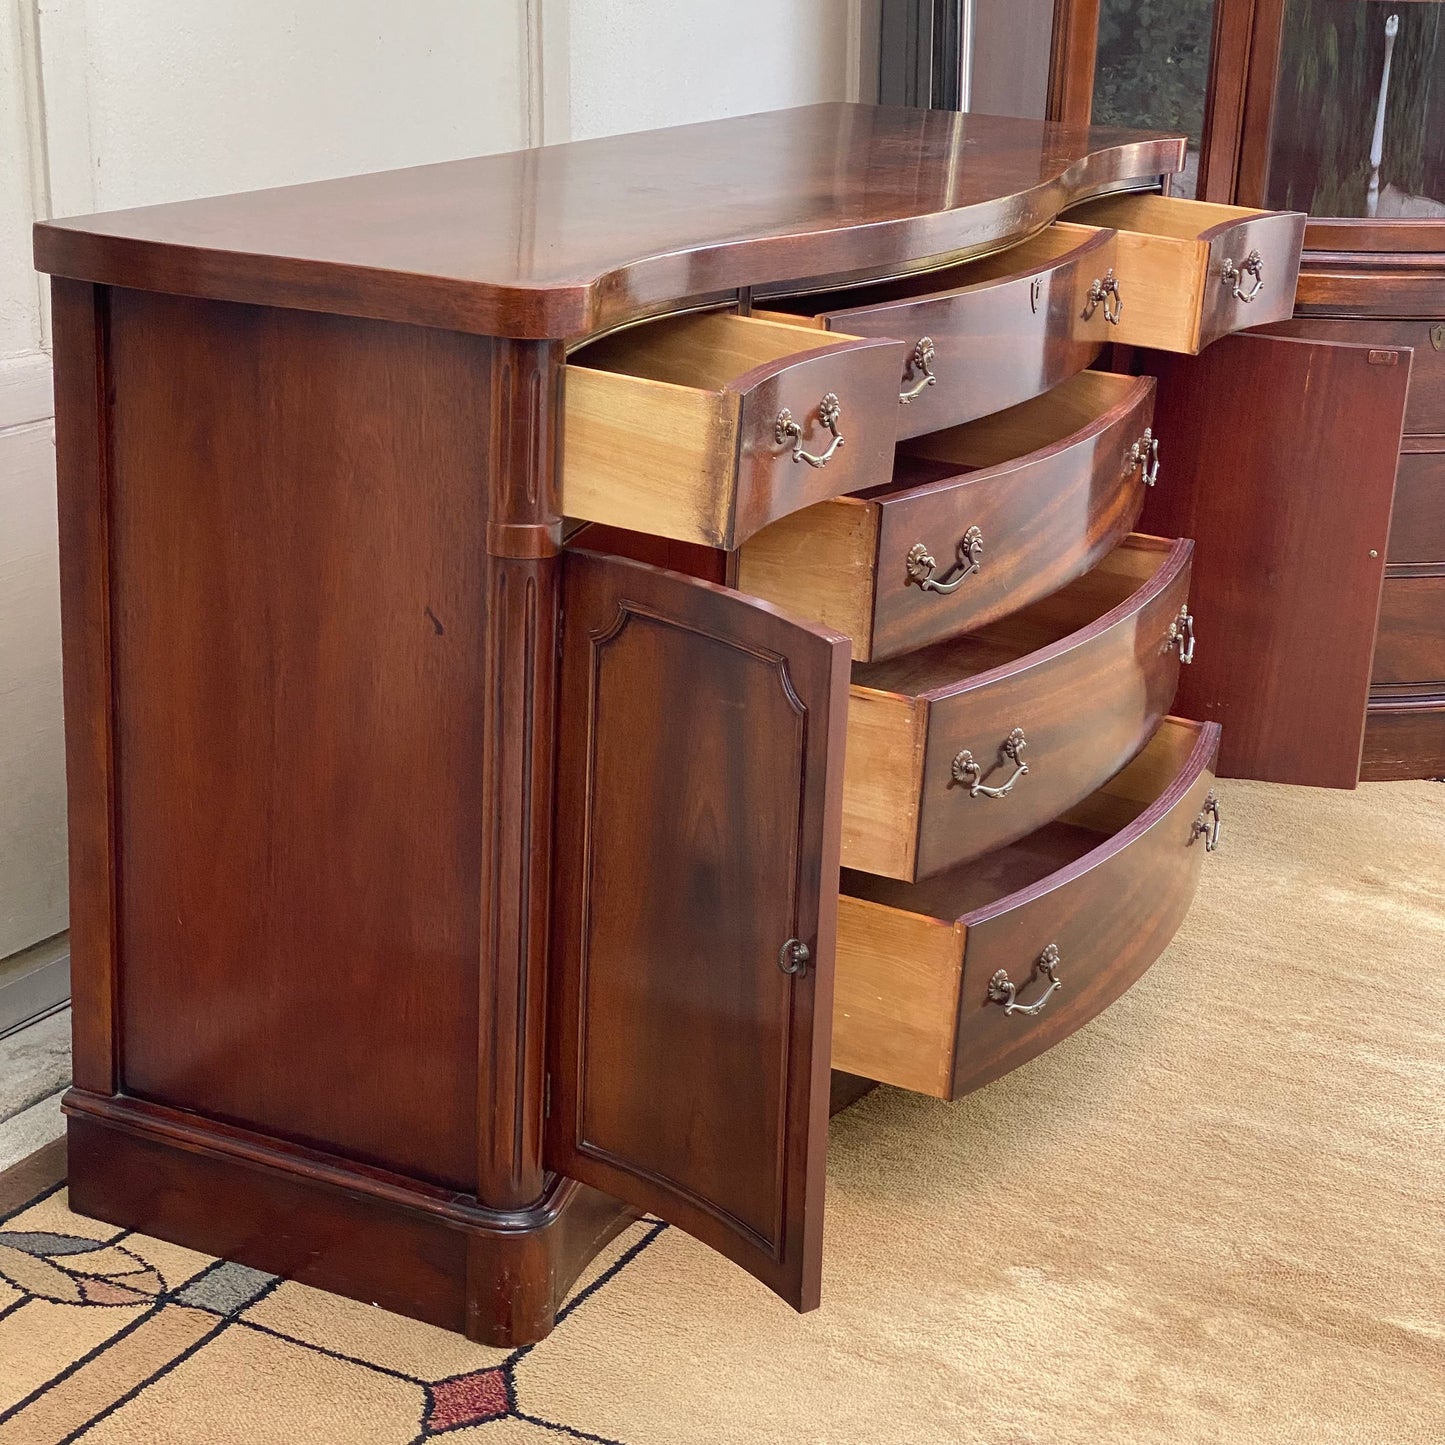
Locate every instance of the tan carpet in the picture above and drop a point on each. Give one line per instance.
(1214, 1216)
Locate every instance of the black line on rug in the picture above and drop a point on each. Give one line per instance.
(31, 1203)
(149, 1380)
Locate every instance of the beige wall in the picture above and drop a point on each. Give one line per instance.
(105, 105)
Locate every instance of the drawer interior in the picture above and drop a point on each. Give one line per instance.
(1041, 251)
(1032, 426)
(984, 882)
(1156, 215)
(706, 351)
(1086, 600)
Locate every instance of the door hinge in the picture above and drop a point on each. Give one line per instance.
(547, 1096)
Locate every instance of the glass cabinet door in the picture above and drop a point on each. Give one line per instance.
(1359, 113)
(1151, 70)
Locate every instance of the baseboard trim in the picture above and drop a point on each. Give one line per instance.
(34, 984)
(26, 390)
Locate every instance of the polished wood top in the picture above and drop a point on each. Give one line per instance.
(570, 239)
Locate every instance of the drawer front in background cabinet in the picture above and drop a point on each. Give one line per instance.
(1425, 408)
(1410, 645)
(984, 335)
(973, 743)
(705, 428)
(1417, 525)
(945, 985)
(1404, 738)
(1004, 511)
(1189, 272)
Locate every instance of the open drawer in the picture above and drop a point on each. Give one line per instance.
(983, 335)
(980, 520)
(1189, 272)
(970, 744)
(945, 985)
(705, 428)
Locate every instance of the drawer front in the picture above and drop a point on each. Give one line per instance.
(1044, 520)
(1410, 645)
(1425, 408)
(1417, 526)
(1190, 272)
(705, 428)
(1240, 292)
(1109, 916)
(980, 349)
(1085, 707)
(913, 1005)
(1404, 738)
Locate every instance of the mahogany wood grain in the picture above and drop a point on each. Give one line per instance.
(1410, 647)
(1273, 577)
(571, 239)
(1404, 738)
(698, 815)
(915, 960)
(1071, 60)
(1366, 284)
(1088, 675)
(515, 806)
(79, 320)
(1004, 328)
(1425, 410)
(297, 625)
(1047, 482)
(500, 1277)
(1417, 530)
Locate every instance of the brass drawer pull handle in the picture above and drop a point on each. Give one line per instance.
(922, 564)
(1002, 990)
(966, 770)
(793, 957)
(1181, 635)
(1208, 823)
(1145, 454)
(921, 362)
(829, 411)
(1232, 275)
(1105, 292)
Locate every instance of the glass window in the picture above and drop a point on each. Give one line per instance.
(1152, 70)
(1359, 112)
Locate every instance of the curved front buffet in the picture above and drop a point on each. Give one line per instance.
(563, 650)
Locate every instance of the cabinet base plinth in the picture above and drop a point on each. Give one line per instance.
(412, 1248)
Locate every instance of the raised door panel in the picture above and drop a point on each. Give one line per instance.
(698, 823)
(1282, 457)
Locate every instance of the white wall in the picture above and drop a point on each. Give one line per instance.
(637, 64)
(106, 104)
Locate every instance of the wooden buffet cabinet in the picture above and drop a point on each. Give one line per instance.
(448, 880)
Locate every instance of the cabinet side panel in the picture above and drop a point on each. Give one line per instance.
(298, 515)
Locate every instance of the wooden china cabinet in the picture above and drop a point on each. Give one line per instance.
(564, 649)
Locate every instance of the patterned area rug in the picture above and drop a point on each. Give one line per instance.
(1211, 1218)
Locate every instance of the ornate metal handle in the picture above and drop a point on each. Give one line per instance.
(1105, 292)
(1002, 990)
(922, 362)
(922, 564)
(1232, 275)
(1208, 823)
(966, 770)
(793, 957)
(1145, 453)
(829, 411)
(1181, 635)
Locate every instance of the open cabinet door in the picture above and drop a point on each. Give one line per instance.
(698, 827)
(1278, 459)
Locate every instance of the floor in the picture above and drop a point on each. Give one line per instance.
(1209, 1218)
(34, 1072)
